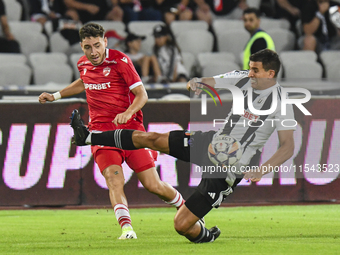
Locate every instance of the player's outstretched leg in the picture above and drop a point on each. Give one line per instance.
(79, 129)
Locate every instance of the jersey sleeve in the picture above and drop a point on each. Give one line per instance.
(128, 72)
(80, 66)
(231, 78)
(285, 122)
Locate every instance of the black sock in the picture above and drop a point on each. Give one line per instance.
(120, 138)
(204, 236)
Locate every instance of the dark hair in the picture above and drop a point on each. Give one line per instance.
(269, 59)
(170, 42)
(91, 30)
(252, 10)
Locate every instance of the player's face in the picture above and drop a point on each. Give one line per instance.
(251, 22)
(94, 49)
(260, 78)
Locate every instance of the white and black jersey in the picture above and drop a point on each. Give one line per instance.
(250, 129)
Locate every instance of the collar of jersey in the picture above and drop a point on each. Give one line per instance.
(265, 91)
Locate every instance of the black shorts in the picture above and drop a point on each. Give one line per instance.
(193, 147)
(190, 146)
(209, 194)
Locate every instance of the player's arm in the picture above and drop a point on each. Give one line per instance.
(138, 103)
(230, 78)
(284, 152)
(74, 88)
(195, 83)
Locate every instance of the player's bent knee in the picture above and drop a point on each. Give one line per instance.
(113, 180)
(181, 226)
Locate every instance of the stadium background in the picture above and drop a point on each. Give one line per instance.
(40, 167)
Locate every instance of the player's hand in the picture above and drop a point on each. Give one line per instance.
(254, 175)
(195, 83)
(44, 97)
(122, 118)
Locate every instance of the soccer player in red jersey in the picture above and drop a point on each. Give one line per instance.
(115, 95)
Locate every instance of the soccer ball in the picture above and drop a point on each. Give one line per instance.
(224, 150)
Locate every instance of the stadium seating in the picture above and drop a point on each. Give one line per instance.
(284, 39)
(233, 40)
(297, 56)
(13, 10)
(111, 25)
(268, 23)
(303, 71)
(333, 71)
(74, 60)
(208, 58)
(179, 26)
(29, 36)
(39, 59)
(223, 25)
(328, 57)
(214, 58)
(58, 43)
(254, 3)
(195, 41)
(189, 62)
(50, 67)
(15, 74)
(219, 68)
(300, 64)
(13, 58)
(143, 27)
(29, 26)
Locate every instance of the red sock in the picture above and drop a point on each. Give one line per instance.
(178, 200)
(122, 214)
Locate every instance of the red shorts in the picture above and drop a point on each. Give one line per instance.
(105, 156)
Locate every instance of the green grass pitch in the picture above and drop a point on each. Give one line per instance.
(310, 229)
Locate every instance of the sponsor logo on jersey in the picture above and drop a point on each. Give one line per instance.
(100, 86)
(110, 61)
(106, 71)
(124, 59)
(84, 63)
(250, 116)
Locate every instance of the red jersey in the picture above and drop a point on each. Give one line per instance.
(108, 88)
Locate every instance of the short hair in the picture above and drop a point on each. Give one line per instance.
(269, 59)
(91, 30)
(252, 10)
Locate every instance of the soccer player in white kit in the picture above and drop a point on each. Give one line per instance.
(193, 146)
(115, 95)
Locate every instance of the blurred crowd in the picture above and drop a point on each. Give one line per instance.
(315, 24)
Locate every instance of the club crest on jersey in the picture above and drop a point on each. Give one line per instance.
(124, 59)
(106, 71)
